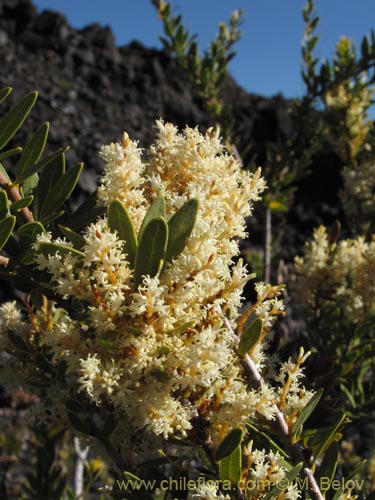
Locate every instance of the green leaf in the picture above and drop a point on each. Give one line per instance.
(3, 204)
(119, 221)
(29, 185)
(283, 484)
(10, 152)
(230, 467)
(52, 169)
(4, 93)
(75, 238)
(328, 467)
(231, 441)
(28, 163)
(86, 213)
(57, 196)
(307, 411)
(22, 203)
(31, 230)
(47, 249)
(5, 173)
(180, 226)
(79, 424)
(28, 233)
(160, 375)
(18, 341)
(151, 250)
(15, 117)
(156, 210)
(109, 425)
(323, 440)
(263, 440)
(6, 228)
(251, 336)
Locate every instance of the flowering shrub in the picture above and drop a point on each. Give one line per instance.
(133, 330)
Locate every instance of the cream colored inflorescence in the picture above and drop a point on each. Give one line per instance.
(341, 273)
(162, 353)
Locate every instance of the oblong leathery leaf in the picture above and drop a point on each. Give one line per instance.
(156, 210)
(64, 188)
(230, 467)
(47, 249)
(15, 117)
(6, 228)
(10, 152)
(75, 238)
(3, 204)
(227, 446)
(22, 203)
(180, 226)
(151, 250)
(119, 221)
(4, 93)
(250, 336)
(28, 163)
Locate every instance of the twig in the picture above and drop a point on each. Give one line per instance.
(259, 380)
(79, 468)
(14, 194)
(314, 485)
(4, 261)
(267, 245)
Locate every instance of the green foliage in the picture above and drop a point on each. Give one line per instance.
(208, 71)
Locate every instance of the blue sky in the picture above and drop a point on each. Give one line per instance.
(268, 55)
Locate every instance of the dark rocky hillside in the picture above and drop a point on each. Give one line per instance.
(91, 91)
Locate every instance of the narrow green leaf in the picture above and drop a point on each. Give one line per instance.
(28, 234)
(180, 226)
(52, 248)
(28, 163)
(31, 229)
(87, 212)
(4, 93)
(17, 341)
(29, 185)
(231, 441)
(77, 240)
(6, 228)
(156, 210)
(250, 337)
(48, 178)
(307, 411)
(263, 440)
(109, 425)
(151, 250)
(328, 467)
(160, 375)
(79, 424)
(325, 438)
(3, 204)
(283, 484)
(15, 117)
(230, 467)
(5, 173)
(57, 196)
(10, 152)
(119, 221)
(22, 203)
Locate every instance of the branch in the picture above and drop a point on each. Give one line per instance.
(259, 380)
(4, 261)
(79, 468)
(14, 194)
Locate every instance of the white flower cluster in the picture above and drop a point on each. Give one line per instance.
(342, 273)
(163, 352)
